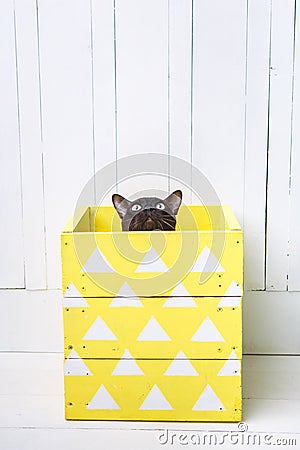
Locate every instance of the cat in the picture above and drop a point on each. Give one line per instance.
(148, 213)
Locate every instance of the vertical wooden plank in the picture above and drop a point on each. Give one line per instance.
(282, 40)
(66, 81)
(294, 252)
(142, 84)
(103, 84)
(256, 141)
(30, 132)
(219, 96)
(180, 63)
(11, 239)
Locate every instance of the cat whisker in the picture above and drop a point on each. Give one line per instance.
(169, 224)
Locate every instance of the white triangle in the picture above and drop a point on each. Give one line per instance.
(75, 302)
(208, 401)
(153, 332)
(74, 365)
(97, 263)
(181, 366)
(126, 291)
(71, 291)
(233, 355)
(180, 302)
(102, 400)
(234, 290)
(231, 368)
(180, 291)
(207, 262)
(234, 302)
(119, 302)
(207, 332)
(156, 401)
(73, 354)
(99, 331)
(152, 263)
(127, 366)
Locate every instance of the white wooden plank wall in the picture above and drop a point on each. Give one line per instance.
(219, 62)
(66, 95)
(11, 238)
(103, 88)
(213, 82)
(27, 43)
(281, 77)
(180, 87)
(141, 85)
(294, 219)
(256, 140)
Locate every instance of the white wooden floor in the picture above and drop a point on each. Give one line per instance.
(32, 404)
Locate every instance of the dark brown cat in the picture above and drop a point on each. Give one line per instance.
(148, 213)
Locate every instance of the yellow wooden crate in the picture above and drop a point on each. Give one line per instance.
(153, 338)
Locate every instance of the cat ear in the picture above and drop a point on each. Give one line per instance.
(121, 204)
(173, 201)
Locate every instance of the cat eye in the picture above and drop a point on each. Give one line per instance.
(136, 207)
(160, 206)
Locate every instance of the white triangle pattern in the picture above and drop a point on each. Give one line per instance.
(102, 400)
(231, 368)
(133, 302)
(99, 331)
(207, 332)
(71, 291)
(127, 366)
(74, 366)
(97, 263)
(180, 291)
(233, 355)
(234, 290)
(208, 401)
(155, 401)
(181, 366)
(153, 332)
(126, 291)
(207, 262)
(152, 263)
(233, 302)
(180, 302)
(75, 302)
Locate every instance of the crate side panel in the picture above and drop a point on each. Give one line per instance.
(197, 390)
(153, 327)
(154, 264)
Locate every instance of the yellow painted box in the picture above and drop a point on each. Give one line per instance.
(153, 320)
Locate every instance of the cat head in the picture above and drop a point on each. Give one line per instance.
(148, 213)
